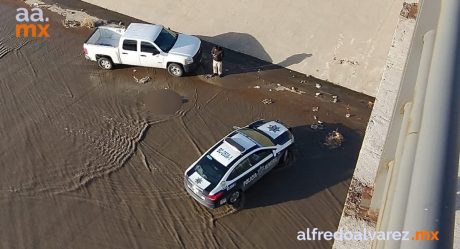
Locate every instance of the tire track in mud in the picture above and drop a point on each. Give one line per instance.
(9, 43)
(108, 148)
(3, 50)
(115, 148)
(110, 156)
(184, 125)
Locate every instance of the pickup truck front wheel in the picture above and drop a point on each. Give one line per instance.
(175, 69)
(105, 63)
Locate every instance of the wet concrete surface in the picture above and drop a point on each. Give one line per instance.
(93, 159)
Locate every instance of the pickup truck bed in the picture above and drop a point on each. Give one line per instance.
(105, 37)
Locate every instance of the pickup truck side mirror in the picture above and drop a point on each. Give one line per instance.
(155, 53)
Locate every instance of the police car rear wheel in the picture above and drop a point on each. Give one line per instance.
(283, 160)
(235, 198)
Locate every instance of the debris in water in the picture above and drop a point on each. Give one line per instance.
(333, 140)
(71, 23)
(317, 94)
(257, 87)
(317, 120)
(317, 126)
(315, 108)
(145, 80)
(267, 101)
(370, 104)
(318, 85)
(303, 81)
(334, 99)
(292, 89)
(348, 112)
(88, 23)
(142, 80)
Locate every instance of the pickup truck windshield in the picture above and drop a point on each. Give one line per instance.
(166, 40)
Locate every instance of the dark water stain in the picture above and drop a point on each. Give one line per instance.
(161, 101)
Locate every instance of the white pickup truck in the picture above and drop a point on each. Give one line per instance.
(143, 45)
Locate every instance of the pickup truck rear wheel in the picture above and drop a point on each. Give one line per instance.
(175, 69)
(105, 63)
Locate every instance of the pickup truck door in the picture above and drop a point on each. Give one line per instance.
(150, 56)
(129, 54)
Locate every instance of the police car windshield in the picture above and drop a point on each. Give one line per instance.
(210, 169)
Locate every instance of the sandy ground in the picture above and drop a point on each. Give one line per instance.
(92, 159)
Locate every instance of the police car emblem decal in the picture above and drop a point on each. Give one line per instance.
(273, 128)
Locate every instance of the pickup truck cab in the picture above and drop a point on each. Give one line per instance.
(145, 45)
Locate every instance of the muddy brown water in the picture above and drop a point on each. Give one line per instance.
(93, 159)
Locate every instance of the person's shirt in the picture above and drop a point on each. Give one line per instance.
(217, 54)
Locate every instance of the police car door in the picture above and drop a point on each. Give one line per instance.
(240, 174)
(264, 160)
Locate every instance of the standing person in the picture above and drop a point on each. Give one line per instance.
(217, 56)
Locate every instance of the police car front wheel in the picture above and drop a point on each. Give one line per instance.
(285, 156)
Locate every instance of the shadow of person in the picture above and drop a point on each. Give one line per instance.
(312, 170)
(250, 56)
(242, 42)
(294, 59)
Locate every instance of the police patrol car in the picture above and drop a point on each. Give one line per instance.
(236, 162)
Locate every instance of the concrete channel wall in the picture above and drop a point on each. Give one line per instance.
(344, 42)
(358, 216)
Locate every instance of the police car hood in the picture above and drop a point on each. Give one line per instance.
(272, 129)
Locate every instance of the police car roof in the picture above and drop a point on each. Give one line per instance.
(231, 148)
